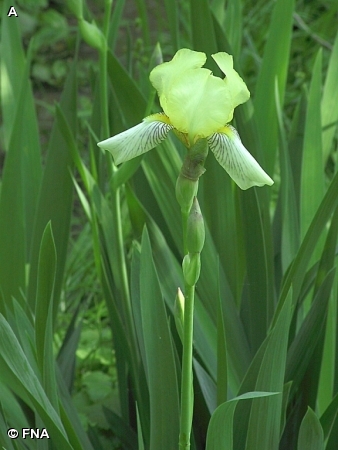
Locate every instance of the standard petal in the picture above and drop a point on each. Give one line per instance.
(197, 103)
(238, 89)
(139, 139)
(162, 75)
(236, 160)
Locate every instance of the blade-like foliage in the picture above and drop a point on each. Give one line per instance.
(265, 309)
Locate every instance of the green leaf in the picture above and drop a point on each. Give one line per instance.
(296, 273)
(222, 364)
(327, 343)
(329, 417)
(121, 430)
(274, 65)
(329, 107)
(312, 182)
(201, 19)
(266, 414)
(128, 95)
(289, 221)
(207, 386)
(10, 413)
(43, 314)
(173, 14)
(22, 169)
(258, 303)
(311, 436)
(70, 419)
(56, 195)
(18, 374)
(302, 347)
(139, 432)
(161, 368)
(220, 434)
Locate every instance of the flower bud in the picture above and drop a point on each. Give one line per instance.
(179, 312)
(195, 229)
(186, 190)
(191, 268)
(156, 57)
(92, 35)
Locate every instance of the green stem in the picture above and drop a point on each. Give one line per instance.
(187, 402)
(104, 85)
(186, 190)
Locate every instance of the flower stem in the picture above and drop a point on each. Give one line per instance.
(187, 398)
(193, 241)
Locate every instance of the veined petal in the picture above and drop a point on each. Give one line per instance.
(236, 160)
(139, 139)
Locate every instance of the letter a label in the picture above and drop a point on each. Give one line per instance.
(12, 12)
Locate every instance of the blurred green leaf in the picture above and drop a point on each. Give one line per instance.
(302, 347)
(161, 370)
(275, 64)
(329, 107)
(220, 434)
(266, 414)
(43, 314)
(312, 183)
(56, 194)
(17, 373)
(311, 436)
(288, 220)
(222, 364)
(22, 169)
(201, 19)
(329, 417)
(296, 273)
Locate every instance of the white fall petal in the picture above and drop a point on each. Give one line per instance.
(137, 140)
(236, 160)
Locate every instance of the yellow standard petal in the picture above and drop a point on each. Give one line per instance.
(236, 160)
(197, 103)
(139, 139)
(162, 75)
(237, 88)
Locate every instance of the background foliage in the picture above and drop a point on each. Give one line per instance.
(90, 256)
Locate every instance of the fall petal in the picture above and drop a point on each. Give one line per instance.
(236, 160)
(139, 139)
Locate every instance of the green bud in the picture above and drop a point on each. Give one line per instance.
(195, 229)
(186, 190)
(157, 56)
(191, 268)
(179, 312)
(75, 7)
(92, 35)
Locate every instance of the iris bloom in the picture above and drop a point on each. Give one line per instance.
(196, 105)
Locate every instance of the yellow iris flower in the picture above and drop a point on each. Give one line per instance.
(196, 105)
